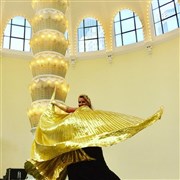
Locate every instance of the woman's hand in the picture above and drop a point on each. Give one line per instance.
(53, 103)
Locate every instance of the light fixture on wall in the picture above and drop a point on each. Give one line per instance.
(109, 56)
(49, 65)
(149, 47)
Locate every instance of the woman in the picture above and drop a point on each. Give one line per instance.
(88, 170)
(70, 142)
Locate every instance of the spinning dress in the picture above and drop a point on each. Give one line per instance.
(63, 142)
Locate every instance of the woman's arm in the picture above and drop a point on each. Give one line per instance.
(63, 107)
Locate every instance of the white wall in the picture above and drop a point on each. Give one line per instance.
(134, 83)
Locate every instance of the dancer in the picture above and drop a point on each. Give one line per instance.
(69, 143)
(96, 169)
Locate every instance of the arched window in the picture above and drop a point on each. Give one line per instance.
(127, 28)
(166, 15)
(90, 36)
(17, 34)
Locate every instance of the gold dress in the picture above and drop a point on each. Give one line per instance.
(59, 138)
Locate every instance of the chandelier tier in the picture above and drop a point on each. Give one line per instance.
(49, 65)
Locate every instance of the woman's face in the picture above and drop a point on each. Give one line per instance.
(82, 102)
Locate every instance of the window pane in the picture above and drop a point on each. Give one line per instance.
(6, 42)
(178, 8)
(81, 46)
(117, 28)
(28, 33)
(118, 40)
(128, 25)
(161, 2)
(91, 45)
(116, 17)
(167, 10)
(156, 15)
(126, 14)
(90, 33)
(66, 35)
(154, 4)
(101, 43)
(16, 44)
(138, 22)
(27, 24)
(129, 38)
(140, 35)
(27, 46)
(18, 20)
(158, 28)
(80, 34)
(90, 22)
(100, 32)
(7, 30)
(170, 24)
(81, 25)
(18, 31)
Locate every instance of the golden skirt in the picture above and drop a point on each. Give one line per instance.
(59, 138)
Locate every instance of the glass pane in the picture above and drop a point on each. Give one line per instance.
(100, 32)
(28, 33)
(90, 22)
(27, 24)
(16, 44)
(156, 15)
(154, 4)
(18, 20)
(90, 33)
(179, 19)
(101, 44)
(128, 25)
(170, 24)
(126, 14)
(18, 31)
(81, 46)
(6, 42)
(161, 2)
(81, 25)
(116, 18)
(9, 21)
(118, 40)
(140, 35)
(138, 22)
(80, 34)
(27, 46)
(167, 10)
(158, 29)
(66, 35)
(129, 38)
(178, 8)
(117, 28)
(91, 45)
(7, 30)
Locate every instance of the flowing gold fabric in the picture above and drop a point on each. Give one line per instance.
(60, 137)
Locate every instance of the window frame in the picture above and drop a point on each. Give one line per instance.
(25, 26)
(83, 27)
(122, 33)
(161, 19)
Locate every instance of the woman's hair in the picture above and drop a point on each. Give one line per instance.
(87, 99)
